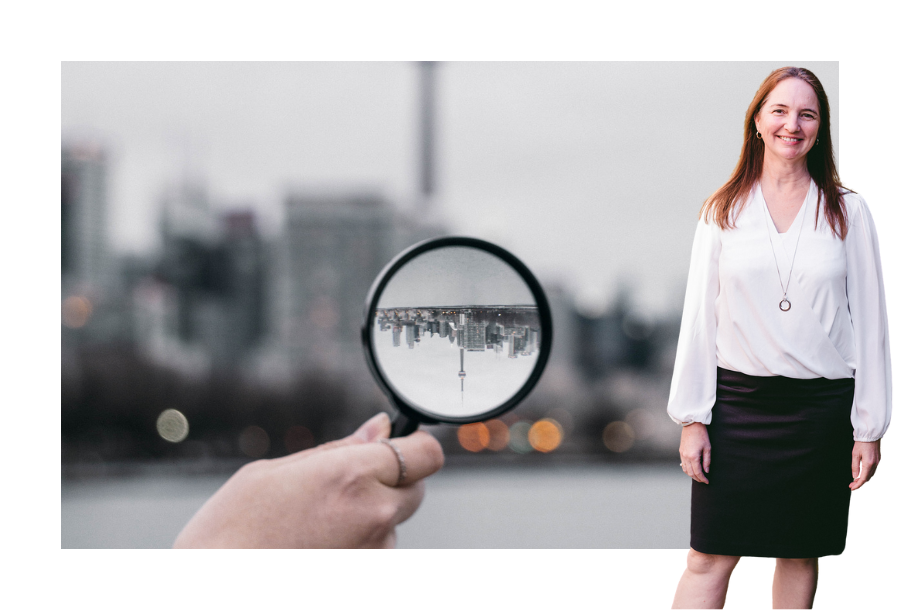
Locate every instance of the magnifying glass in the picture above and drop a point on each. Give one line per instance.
(457, 330)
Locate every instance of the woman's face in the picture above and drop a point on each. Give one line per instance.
(789, 120)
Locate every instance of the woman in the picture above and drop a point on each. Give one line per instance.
(782, 373)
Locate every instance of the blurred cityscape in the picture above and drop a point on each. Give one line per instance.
(227, 344)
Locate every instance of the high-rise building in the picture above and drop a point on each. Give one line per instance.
(86, 266)
(331, 249)
(472, 336)
(214, 264)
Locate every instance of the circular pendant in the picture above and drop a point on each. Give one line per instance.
(784, 305)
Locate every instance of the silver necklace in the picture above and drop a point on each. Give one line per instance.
(785, 304)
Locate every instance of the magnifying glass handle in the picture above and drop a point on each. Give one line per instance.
(402, 425)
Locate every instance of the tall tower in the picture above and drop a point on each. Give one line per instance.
(426, 134)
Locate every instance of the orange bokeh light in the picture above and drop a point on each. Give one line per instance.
(76, 311)
(545, 435)
(499, 435)
(473, 437)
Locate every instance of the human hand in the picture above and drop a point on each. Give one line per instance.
(864, 462)
(695, 451)
(343, 494)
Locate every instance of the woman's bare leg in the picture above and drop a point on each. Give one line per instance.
(794, 584)
(705, 581)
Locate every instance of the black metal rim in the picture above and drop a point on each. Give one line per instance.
(410, 410)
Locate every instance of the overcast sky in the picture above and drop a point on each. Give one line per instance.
(592, 173)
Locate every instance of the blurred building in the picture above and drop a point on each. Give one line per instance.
(619, 339)
(95, 309)
(332, 247)
(84, 245)
(203, 308)
(244, 257)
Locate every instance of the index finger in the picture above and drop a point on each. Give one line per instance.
(422, 455)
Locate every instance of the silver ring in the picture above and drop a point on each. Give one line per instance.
(400, 459)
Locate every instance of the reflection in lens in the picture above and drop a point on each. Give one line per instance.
(458, 360)
(456, 332)
(618, 436)
(172, 425)
(499, 435)
(473, 437)
(545, 435)
(253, 441)
(518, 437)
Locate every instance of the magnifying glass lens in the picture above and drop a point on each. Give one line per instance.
(456, 331)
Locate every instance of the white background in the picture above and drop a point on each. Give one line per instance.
(37, 37)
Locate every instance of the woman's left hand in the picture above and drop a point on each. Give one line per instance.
(864, 462)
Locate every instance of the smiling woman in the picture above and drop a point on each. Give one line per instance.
(773, 377)
(788, 122)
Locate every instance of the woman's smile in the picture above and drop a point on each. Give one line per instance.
(788, 121)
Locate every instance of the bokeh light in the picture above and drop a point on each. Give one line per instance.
(618, 436)
(518, 436)
(76, 311)
(473, 437)
(298, 438)
(253, 441)
(641, 422)
(499, 435)
(563, 418)
(545, 435)
(172, 425)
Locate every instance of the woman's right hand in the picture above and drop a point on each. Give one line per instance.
(695, 452)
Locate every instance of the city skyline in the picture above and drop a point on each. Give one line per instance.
(484, 343)
(471, 327)
(583, 170)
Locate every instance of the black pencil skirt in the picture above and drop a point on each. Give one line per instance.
(780, 468)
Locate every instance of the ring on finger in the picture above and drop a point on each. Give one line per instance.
(400, 460)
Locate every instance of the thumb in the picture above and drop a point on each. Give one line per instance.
(374, 428)
(854, 464)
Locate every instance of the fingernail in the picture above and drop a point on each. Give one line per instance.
(370, 430)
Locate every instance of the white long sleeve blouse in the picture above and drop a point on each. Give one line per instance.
(836, 327)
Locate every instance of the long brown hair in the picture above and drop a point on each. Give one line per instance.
(726, 203)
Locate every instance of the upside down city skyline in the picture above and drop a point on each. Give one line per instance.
(498, 343)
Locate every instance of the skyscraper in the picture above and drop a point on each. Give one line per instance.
(85, 264)
(331, 249)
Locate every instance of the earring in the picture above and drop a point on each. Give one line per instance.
(758, 135)
(817, 141)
